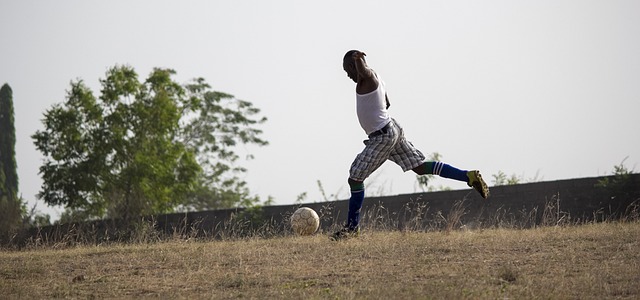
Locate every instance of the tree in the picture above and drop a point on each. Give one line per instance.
(139, 148)
(10, 204)
(620, 184)
(215, 123)
(502, 179)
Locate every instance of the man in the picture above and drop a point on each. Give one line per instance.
(386, 142)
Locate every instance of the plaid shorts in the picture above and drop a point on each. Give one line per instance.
(391, 145)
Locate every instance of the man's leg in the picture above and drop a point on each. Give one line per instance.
(352, 228)
(441, 169)
(472, 178)
(355, 204)
(376, 152)
(409, 158)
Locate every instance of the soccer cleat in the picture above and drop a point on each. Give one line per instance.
(476, 181)
(345, 233)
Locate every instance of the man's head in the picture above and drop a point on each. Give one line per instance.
(349, 65)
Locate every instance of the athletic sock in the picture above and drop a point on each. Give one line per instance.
(355, 204)
(446, 171)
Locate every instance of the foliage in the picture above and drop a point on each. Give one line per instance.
(620, 184)
(10, 204)
(143, 147)
(10, 216)
(34, 218)
(215, 123)
(8, 142)
(502, 179)
(254, 215)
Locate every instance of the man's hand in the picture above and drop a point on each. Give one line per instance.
(364, 72)
(358, 55)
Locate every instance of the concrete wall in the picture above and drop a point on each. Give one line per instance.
(525, 205)
(522, 206)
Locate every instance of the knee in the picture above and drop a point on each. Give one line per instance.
(354, 182)
(422, 169)
(419, 170)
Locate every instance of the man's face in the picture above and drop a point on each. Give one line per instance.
(349, 66)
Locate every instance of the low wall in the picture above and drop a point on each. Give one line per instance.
(522, 205)
(573, 200)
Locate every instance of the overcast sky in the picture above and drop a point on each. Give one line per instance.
(544, 90)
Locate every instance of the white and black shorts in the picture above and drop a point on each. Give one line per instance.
(390, 145)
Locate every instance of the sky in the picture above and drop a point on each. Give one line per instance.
(543, 90)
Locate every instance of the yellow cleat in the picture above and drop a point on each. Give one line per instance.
(476, 181)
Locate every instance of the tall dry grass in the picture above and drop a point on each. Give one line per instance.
(592, 261)
(414, 216)
(409, 254)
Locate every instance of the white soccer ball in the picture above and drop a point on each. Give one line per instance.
(305, 221)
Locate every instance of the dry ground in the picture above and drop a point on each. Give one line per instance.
(595, 261)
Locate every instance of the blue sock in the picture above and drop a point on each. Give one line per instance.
(355, 204)
(447, 171)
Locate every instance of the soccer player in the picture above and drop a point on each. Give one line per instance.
(386, 142)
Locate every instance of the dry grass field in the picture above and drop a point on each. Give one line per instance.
(594, 261)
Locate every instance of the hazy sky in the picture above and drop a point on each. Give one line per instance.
(540, 89)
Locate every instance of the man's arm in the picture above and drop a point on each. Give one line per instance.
(364, 72)
(367, 82)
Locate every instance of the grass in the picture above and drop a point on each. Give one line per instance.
(592, 261)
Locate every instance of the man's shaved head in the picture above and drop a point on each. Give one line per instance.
(349, 66)
(349, 56)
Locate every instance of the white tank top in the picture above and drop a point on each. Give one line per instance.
(371, 109)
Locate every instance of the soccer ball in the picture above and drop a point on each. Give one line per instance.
(305, 221)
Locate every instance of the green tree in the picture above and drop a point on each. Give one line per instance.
(35, 218)
(620, 184)
(136, 149)
(502, 179)
(10, 204)
(215, 123)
